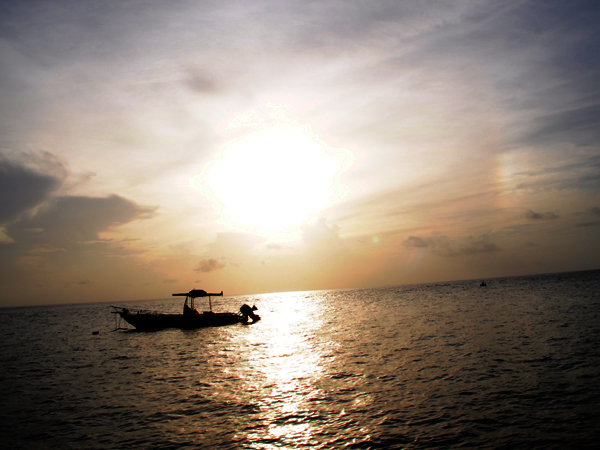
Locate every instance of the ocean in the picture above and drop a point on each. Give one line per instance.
(513, 365)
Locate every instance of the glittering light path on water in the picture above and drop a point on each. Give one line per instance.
(514, 364)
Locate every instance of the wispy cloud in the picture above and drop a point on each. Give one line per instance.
(444, 246)
(532, 215)
(589, 218)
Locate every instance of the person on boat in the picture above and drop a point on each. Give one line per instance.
(187, 311)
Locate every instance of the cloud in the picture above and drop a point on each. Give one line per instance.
(324, 239)
(76, 219)
(578, 125)
(209, 265)
(589, 218)
(55, 240)
(82, 283)
(558, 171)
(532, 215)
(416, 242)
(27, 181)
(27, 184)
(201, 82)
(444, 246)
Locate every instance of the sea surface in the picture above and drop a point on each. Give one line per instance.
(514, 365)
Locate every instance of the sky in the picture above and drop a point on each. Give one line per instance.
(151, 147)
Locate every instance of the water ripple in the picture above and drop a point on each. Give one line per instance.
(427, 366)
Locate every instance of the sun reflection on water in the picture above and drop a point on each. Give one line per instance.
(290, 366)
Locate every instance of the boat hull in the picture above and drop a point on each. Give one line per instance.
(153, 322)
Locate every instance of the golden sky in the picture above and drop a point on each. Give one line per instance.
(154, 147)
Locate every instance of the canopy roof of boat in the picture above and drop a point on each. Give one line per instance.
(195, 293)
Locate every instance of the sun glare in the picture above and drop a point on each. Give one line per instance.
(273, 180)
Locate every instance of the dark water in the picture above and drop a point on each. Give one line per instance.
(449, 365)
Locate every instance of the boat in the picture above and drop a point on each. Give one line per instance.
(483, 284)
(190, 319)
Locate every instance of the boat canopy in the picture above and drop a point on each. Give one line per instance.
(195, 293)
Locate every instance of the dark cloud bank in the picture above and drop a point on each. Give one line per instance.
(27, 181)
(27, 185)
(45, 231)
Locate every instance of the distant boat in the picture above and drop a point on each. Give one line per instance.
(483, 283)
(190, 319)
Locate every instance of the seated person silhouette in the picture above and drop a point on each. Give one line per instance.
(187, 311)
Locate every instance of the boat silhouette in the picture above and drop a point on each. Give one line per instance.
(190, 319)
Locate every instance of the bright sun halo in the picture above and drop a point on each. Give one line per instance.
(273, 180)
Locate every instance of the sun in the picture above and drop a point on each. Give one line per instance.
(274, 180)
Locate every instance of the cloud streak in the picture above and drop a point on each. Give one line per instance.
(444, 246)
(532, 215)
